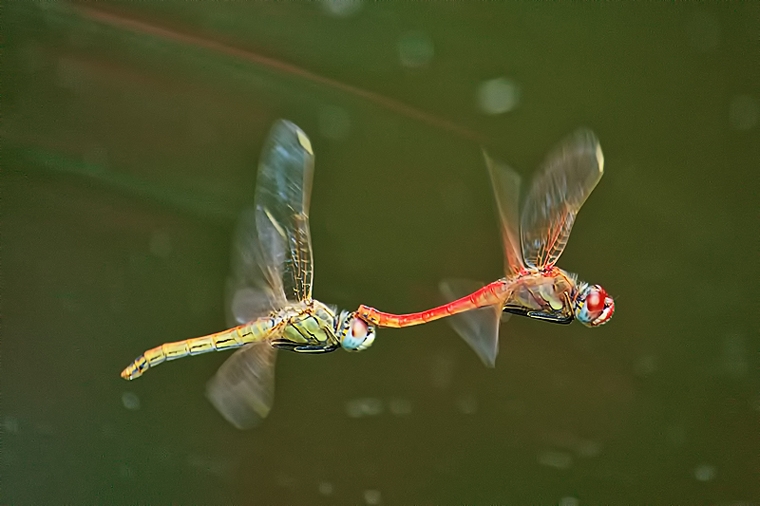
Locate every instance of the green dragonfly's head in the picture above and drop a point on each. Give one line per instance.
(354, 333)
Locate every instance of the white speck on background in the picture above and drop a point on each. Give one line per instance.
(467, 404)
(557, 460)
(645, 366)
(497, 96)
(400, 407)
(415, 49)
(704, 472)
(341, 8)
(366, 406)
(372, 497)
(130, 400)
(587, 448)
(743, 112)
(325, 488)
(10, 424)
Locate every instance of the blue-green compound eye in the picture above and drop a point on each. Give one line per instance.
(358, 335)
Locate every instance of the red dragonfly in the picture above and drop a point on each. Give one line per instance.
(533, 285)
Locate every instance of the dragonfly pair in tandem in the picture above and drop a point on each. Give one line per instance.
(269, 292)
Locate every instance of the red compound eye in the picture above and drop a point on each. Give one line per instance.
(595, 300)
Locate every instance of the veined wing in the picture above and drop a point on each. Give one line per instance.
(271, 254)
(506, 189)
(562, 185)
(254, 286)
(283, 193)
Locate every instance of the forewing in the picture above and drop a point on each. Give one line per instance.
(560, 188)
(243, 388)
(271, 263)
(254, 286)
(283, 190)
(478, 327)
(506, 189)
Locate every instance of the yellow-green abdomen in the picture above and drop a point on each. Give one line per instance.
(229, 339)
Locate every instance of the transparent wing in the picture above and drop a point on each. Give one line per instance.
(242, 390)
(562, 185)
(478, 327)
(283, 191)
(254, 286)
(271, 262)
(246, 303)
(506, 189)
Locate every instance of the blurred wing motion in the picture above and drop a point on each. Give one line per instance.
(243, 388)
(271, 264)
(478, 327)
(506, 188)
(562, 185)
(254, 287)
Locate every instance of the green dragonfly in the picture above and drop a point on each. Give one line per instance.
(269, 291)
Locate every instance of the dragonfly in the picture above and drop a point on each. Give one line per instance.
(533, 285)
(269, 291)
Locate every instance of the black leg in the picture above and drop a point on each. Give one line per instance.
(315, 348)
(562, 319)
(518, 310)
(553, 317)
(284, 344)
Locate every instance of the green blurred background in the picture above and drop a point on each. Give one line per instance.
(131, 133)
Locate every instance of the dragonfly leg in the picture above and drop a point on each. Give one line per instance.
(555, 317)
(284, 344)
(518, 310)
(316, 348)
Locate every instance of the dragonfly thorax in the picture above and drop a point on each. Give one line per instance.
(545, 291)
(308, 327)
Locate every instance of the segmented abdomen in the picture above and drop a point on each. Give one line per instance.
(489, 295)
(235, 337)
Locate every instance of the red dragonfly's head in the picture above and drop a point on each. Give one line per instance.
(592, 305)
